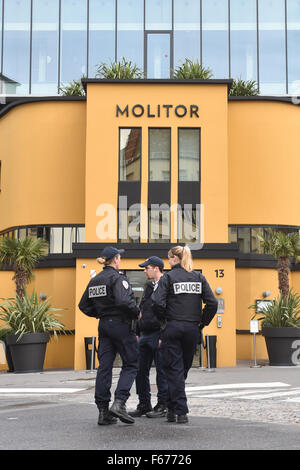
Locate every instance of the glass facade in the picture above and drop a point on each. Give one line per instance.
(248, 237)
(45, 44)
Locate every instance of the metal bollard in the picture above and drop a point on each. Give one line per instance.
(90, 353)
(211, 352)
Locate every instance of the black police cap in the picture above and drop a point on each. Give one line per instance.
(154, 261)
(110, 252)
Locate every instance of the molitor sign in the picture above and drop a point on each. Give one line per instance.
(159, 110)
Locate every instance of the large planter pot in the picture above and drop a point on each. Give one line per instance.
(28, 354)
(282, 345)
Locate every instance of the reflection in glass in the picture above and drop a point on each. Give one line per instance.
(244, 239)
(189, 154)
(101, 33)
(158, 14)
(44, 46)
(215, 37)
(130, 43)
(188, 225)
(159, 154)
(129, 225)
(137, 280)
(158, 55)
(80, 234)
(159, 224)
(272, 76)
(22, 233)
(69, 238)
(130, 154)
(256, 232)
(56, 240)
(293, 41)
(232, 235)
(73, 40)
(243, 39)
(16, 48)
(186, 31)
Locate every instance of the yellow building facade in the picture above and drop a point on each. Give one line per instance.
(86, 172)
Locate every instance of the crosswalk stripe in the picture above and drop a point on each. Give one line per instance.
(237, 386)
(272, 395)
(38, 390)
(226, 394)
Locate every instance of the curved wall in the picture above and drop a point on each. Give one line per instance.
(263, 163)
(42, 153)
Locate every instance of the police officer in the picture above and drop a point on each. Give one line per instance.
(178, 298)
(148, 331)
(109, 297)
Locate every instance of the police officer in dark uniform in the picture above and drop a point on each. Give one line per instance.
(178, 298)
(148, 330)
(110, 298)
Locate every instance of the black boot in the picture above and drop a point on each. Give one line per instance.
(118, 409)
(105, 417)
(182, 419)
(171, 417)
(141, 409)
(159, 411)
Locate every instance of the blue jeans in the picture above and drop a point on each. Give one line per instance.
(149, 351)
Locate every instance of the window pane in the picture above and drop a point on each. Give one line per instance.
(272, 77)
(131, 31)
(256, 243)
(80, 234)
(69, 238)
(130, 154)
(158, 55)
(129, 226)
(189, 154)
(137, 280)
(101, 33)
(243, 39)
(73, 40)
(232, 235)
(159, 157)
(158, 14)
(44, 46)
(188, 225)
(16, 51)
(293, 42)
(186, 31)
(215, 37)
(159, 225)
(56, 240)
(244, 239)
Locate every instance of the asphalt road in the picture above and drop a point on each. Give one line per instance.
(56, 412)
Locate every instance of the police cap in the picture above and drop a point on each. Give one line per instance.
(110, 252)
(154, 261)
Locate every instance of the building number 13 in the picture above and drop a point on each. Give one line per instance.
(219, 272)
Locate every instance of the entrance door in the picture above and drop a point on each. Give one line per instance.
(158, 54)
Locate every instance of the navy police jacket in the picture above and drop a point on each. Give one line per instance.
(149, 322)
(109, 294)
(179, 295)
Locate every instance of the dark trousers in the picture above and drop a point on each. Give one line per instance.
(179, 342)
(115, 337)
(149, 352)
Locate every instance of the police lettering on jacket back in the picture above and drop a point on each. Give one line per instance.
(179, 295)
(109, 294)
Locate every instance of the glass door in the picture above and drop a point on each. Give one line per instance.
(158, 55)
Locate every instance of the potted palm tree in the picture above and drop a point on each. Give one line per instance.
(29, 320)
(242, 87)
(280, 319)
(25, 319)
(122, 69)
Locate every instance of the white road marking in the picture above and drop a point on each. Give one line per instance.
(237, 386)
(273, 395)
(17, 391)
